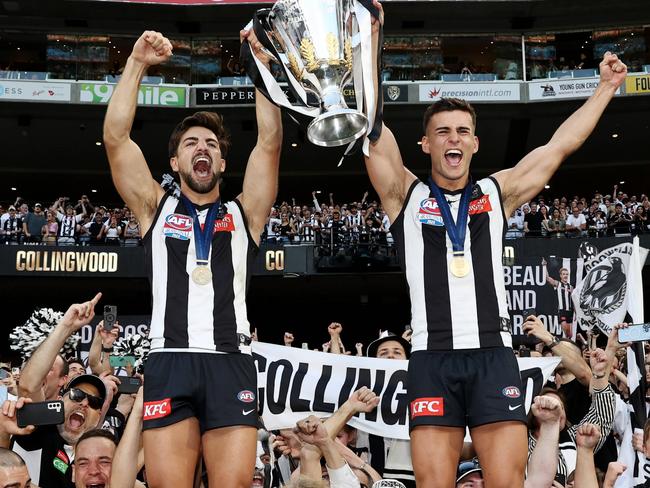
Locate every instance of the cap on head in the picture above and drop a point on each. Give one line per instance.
(385, 336)
(466, 468)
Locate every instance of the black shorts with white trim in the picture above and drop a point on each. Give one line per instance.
(220, 390)
(464, 388)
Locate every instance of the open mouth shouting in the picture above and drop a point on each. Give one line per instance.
(453, 157)
(202, 166)
(76, 421)
(95, 485)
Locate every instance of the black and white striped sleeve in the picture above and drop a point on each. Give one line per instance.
(601, 413)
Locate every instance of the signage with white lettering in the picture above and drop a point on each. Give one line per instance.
(548, 90)
(34, 90)
(156, 95)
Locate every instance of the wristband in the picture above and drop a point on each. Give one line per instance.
(107, 349)
(597, 376)
(554, 342)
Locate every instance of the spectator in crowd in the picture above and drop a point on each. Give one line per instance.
(93, 459)
(13, 470)
(84, 206)
(619, 222)
(110, 232)
(543, 211)
(533, 222)
(556, 225)
(95, 229)
(76, 368)
(33, 224)
(515, 224)
(69, 219)
(469, 474)
(576, 224)
(639, 221)
(132, 234)
(12, 227)
(51, 228)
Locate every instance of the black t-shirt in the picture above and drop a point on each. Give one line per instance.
(534, 222)
(44, 452)
(577, 400)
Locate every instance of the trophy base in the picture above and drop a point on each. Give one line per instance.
(337, 128)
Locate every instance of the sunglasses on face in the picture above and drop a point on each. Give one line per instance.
(77, 395)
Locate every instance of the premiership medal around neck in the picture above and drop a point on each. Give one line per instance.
(201, 275)
(459, 266)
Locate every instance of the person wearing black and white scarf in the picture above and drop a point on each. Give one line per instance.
(68, 221)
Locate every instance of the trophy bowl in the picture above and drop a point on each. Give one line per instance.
(313, 39)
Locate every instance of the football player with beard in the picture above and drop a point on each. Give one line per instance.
(200, 393)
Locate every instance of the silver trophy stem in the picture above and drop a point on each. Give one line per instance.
(338, 125)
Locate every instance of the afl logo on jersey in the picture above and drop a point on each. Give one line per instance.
(246, 396)
(429, 213)
(177, 226)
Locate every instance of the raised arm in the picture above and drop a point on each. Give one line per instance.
(549, 280)
(587, 438)
(129, 169)
(125, 468)
(261, 177)
(386, 170)
(542, 463)
(569, 352)
(528, 177)
(41, 361)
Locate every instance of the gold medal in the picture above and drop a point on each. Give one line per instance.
(459, 266)
(201, 275)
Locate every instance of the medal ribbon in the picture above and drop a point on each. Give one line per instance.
(202, 237)
(455, 230)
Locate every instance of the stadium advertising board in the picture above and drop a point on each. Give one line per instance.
(245, 95)
(548, 90)
(33, 90)
(151, 95)
(472, 92)
(637, 84)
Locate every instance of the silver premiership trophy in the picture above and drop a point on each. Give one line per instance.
(313, 41)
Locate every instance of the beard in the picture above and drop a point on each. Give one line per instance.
(197, 187)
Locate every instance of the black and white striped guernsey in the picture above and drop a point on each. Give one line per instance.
(448, 312)
(564, 291)
(187, 316)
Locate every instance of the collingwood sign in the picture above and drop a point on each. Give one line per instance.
(66, 261)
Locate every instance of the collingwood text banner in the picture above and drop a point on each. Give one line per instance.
(293, 383)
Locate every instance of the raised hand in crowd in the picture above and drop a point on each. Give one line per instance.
(407, 334)
(326, 346)
(600, 367)
(288, 339)
(32, 380)
(359, 347)
(587, 438)
(336, 345)
(8, 425)
(254, 337)
(614, 471)
(125, 468)
(613, 343)
(542, 464)
(101, 348)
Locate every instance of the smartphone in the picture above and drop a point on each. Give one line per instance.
(110, 316)
(128, 384)
(528, 312)
(3, 374)
(635, 333)
(40, 413)
(121, 361)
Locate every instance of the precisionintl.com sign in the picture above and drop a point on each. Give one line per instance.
(166, 96)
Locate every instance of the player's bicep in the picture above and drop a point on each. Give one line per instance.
(386, 169)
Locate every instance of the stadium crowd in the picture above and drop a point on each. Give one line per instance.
(329, 224)
(580, 428)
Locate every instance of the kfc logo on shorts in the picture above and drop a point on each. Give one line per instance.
(156, 410)
(428, 407)
(246, 396)
(511, 392)
(178, 226)
(429, 213)
(480, 205)
(226, 224)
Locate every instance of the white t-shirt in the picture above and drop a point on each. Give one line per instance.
(576, 221)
